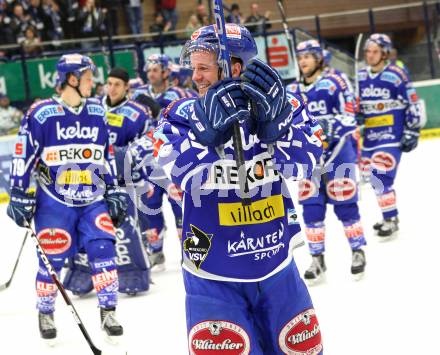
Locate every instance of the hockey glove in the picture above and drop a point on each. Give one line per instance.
(409, 139)
(21, 207)
(265, 89)
(215, 113)
(117, 205)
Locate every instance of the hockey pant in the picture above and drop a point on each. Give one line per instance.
(151, 219)
(338, 187)
(131, 260)
(381, 166)
(62, 230)
(273, 316)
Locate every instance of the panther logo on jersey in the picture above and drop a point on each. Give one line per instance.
(197, 245)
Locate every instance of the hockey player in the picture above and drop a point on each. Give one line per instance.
(152, 222)
(127, 120)
(243, 290)
(64, 141)
(391, 118)
(330, 100)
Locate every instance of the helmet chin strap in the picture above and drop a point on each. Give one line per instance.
(76, 88)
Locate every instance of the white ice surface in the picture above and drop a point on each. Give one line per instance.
(393, 310)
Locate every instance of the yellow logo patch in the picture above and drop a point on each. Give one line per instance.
(73, 177)
(261, 211)
(379, 121)
(114, 119)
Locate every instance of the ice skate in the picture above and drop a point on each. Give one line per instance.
(110, 325)
(157, 261)
(315, 274)
(387, 228)
(48, 331)
(358, 263)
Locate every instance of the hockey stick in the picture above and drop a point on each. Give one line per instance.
(289, 38)
(225, 60)
(8, 283)
(61, 288)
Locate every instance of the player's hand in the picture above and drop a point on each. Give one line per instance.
(409, 140)
(264, 87)
(215, 113)
(117, 205)
(21, 207)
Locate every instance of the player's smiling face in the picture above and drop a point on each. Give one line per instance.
(307, 64)
(205, 70)
(116, 89)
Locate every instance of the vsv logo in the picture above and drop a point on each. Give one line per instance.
(77, 131)
(372, 91)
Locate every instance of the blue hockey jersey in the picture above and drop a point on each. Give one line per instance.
(126, 121)
(67, 148)
(389, 103)
(222, 239)
(330, 100)
(163, 98)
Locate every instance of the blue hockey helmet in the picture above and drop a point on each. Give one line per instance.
(75, 64)
(180, 73)
(327, 55)
(310, 46)
(161, 59)
(382, 40)
(240, 43)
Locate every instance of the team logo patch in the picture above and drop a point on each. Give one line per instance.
(104, 223)
(174, 192)
(301, 335)
(307, 189)
(197, 245)
(54, 240)
(341, 189)
(218, 337)
(383, 161)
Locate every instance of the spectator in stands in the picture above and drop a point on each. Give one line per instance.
(168, 10)
(192, 25)
(91, 20)
(162, 27)
(260, 20)
(19, 22)
(235, 15)
(112, 13)
(31, 43)
(135, 19)
(202, 15)
(37, 14)
(54, 31)
(10, 117)
(69, 9)
(6, 33)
